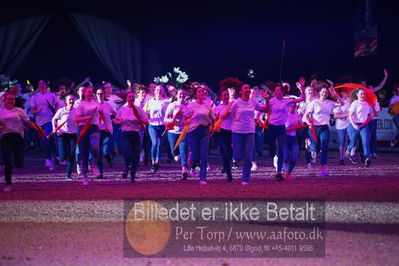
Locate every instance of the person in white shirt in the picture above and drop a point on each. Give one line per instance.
(341, 114)
(89, 111)
(43, 105)
(317, 115)
(359, 112)
(243, 128)
(304, 133)
(131, 124)
(66, 134)
(156, 108)
(106, 137)
(198, 115)
(174, 114)
(394, 111)
(11, 136)
(277, 107)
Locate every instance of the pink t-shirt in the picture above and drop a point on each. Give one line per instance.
(278, 111)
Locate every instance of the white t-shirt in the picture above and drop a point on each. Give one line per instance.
(42, 102)
(139, 103)
(171, 111)
(342, 123)
(201, 115)
(360, 110)
(375, 108)
(243, 113)
(129, 120)
(220, 109)
(11, 121)
(278, 111)
(156, 111)
(293, 120)
(321, 111)
(63, 115)
(86, 108)
(108, 110)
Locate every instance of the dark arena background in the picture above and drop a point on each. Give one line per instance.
(47, 220)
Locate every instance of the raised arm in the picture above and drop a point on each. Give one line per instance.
(301, 86)
(334, 93)
(379, 87)
(266, 107)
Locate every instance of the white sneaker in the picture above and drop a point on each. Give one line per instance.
(254, 167)
(176, 158)
(95, 171)
(7, 188)
(203, 182)
(244, 183)
(78, 169)
(275, 161)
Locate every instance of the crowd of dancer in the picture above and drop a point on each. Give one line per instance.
(94, 124)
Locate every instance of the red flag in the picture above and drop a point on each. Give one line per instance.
(85, 127)
(56, 129)
(137, 115)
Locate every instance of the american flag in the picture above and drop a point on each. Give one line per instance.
(365, 47)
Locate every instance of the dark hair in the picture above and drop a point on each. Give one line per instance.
(282, 87)
(84, 90)
(221, 91)
(174, 98)
(353, 95)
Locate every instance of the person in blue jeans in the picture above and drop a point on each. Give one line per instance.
(359, 112)
(341, 114)
(131, 125)
(173, 117)
(89, 111)
(156, 108)
(243, 128)
(277, 108)
(198, 116)
(317, 115)
(66, 134)
(106, 138)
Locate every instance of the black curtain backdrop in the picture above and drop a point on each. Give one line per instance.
(17, 39)
(117, 48)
